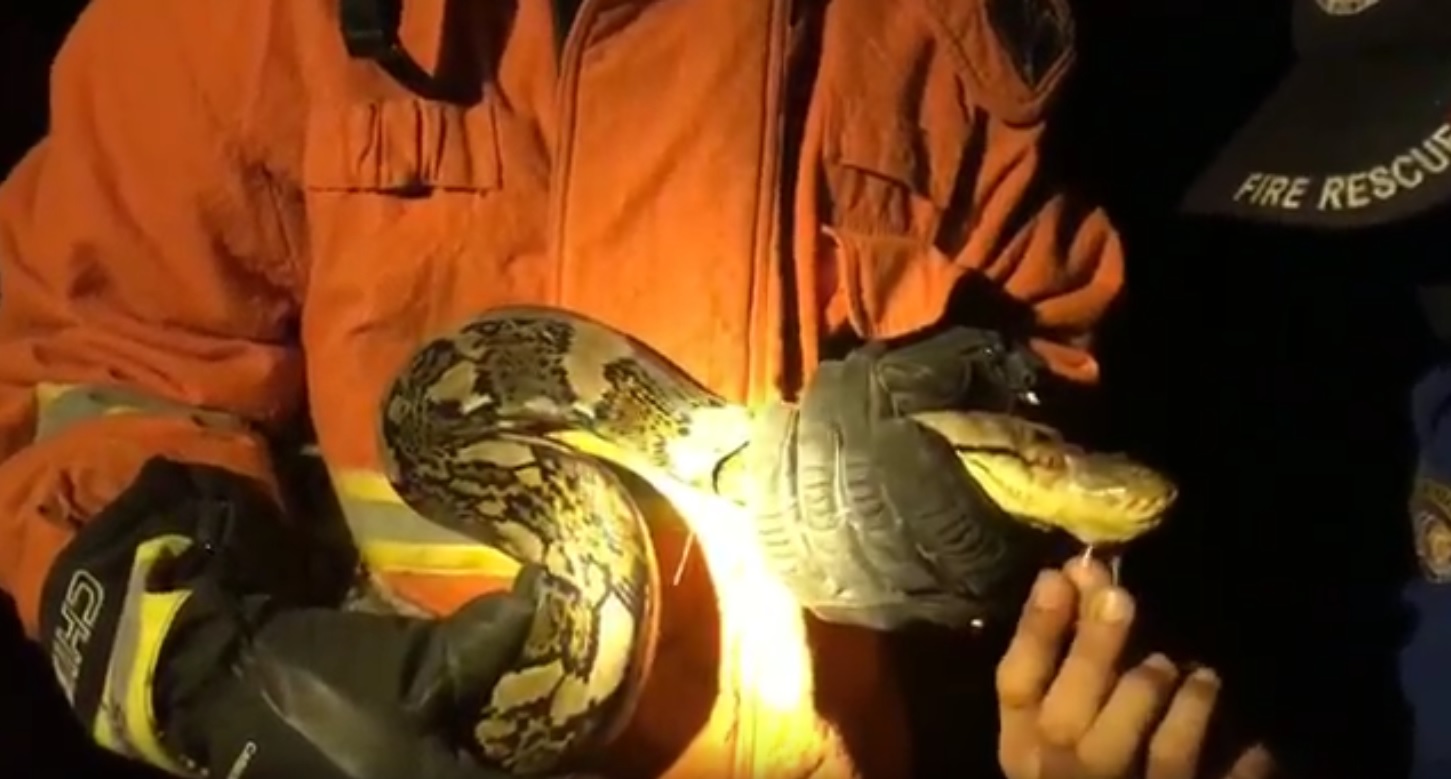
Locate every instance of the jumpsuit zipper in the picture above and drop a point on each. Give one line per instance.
(572, 17)
(565, 13)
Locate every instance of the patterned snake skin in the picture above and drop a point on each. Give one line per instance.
(466, 431)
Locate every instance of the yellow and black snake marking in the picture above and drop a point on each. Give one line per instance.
(464, 430)
(471, 432)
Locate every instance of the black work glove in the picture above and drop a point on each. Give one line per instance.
(192, 629)
(868, 516)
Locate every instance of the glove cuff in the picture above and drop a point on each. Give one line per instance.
(107, 611)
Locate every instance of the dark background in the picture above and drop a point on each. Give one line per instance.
(1266, 369)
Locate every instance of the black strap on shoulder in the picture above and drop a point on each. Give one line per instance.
(370, 31)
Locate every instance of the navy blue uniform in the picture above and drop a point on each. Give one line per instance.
(1426, 659)
(1357, 139)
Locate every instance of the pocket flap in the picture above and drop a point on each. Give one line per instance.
(892, 148)
(402, 146)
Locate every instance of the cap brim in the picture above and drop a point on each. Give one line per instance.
(1348, 142)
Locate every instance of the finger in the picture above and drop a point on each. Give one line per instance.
(1175, 747)
(1027, 667)
(1255, 763)
(473, 647)
(1117, 737)
(1089, 670)
(1090, 577)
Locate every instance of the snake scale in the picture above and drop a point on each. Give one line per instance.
(469, 433)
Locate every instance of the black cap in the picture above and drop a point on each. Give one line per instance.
(1358, 133)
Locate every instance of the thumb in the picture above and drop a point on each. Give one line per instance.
(476, 645)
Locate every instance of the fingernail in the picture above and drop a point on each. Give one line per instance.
(1205, 675)
(1048, 593)
(1160, 662)
(1112, 605)
(1084, 572)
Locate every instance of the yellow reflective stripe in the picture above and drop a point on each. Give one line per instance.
(62, 405)
(158, 612)
(126, 722)
(369, 486)
(103, 732)
(480, 560)
(47, 393)
(392, 538)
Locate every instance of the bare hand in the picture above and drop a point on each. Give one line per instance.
(1082, 718)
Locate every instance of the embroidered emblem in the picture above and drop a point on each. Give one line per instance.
(1345, 7)
(1035, 35)
(1431, 523)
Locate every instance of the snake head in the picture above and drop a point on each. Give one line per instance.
(1032, 473)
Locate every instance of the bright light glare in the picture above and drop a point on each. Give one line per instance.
(765, 659)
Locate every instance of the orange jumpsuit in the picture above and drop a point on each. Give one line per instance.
(231, 221)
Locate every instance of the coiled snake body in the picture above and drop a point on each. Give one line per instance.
(467, 430)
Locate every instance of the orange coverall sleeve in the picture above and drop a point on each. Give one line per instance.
(1043, 246)
(141, 249)
(976, 202)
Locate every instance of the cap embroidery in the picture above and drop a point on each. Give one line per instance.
(1383, 181)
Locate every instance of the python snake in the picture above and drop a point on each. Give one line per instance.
(469, 433)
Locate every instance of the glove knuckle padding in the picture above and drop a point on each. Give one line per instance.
(772, 459)
(921, 479)
(947, 369)
(867, 516)
(840, 522)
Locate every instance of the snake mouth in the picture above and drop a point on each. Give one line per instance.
(1098, 499)
(1037, 476)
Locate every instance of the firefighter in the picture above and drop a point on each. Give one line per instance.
(1352, 153)
(250, 210)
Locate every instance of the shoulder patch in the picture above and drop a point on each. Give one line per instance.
(1035, 35)
(1431, 525)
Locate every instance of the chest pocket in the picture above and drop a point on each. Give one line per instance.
(911, 102)
(412, 224)
(402, 147)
